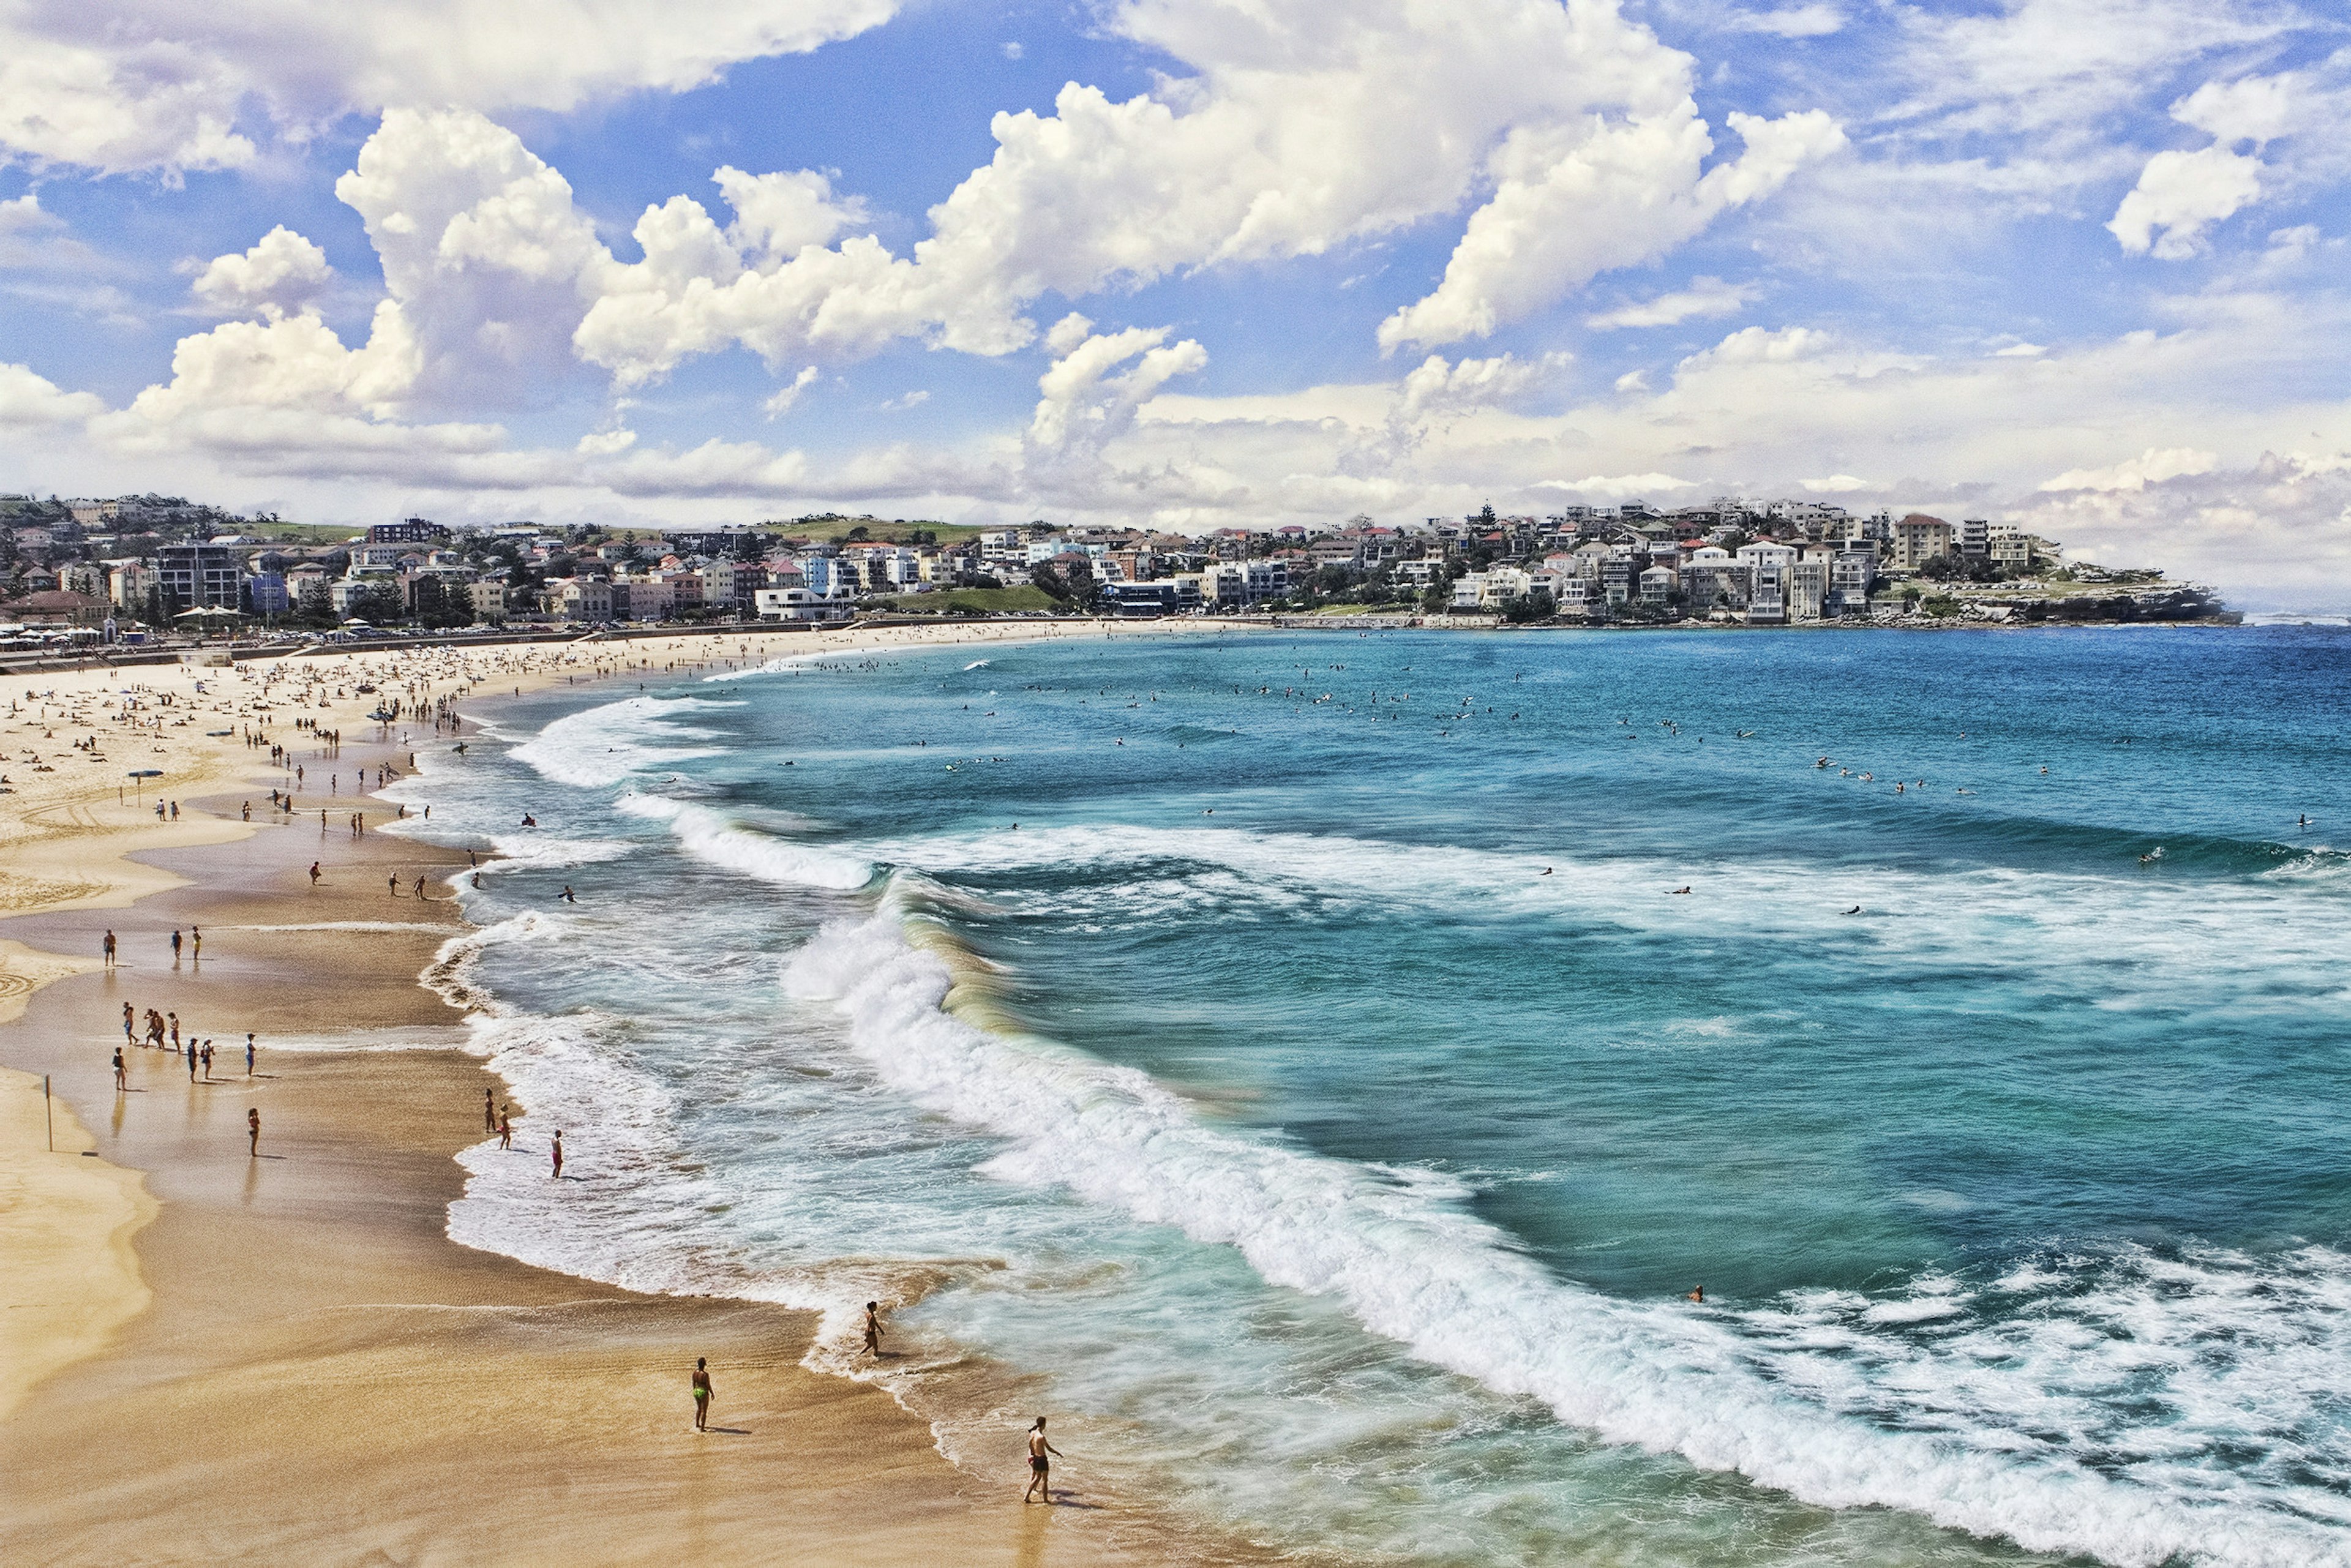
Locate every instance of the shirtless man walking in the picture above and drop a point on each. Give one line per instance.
(1041, 1467)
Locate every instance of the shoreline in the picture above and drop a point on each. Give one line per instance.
(310, 1318)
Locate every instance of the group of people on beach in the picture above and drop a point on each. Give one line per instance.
(160, 1031)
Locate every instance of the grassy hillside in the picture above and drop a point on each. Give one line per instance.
(984, 600)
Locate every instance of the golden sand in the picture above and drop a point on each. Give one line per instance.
(285, 1359)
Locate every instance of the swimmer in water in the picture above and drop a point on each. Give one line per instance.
(1854, 910)
(1676, 892)
(1697, 1293)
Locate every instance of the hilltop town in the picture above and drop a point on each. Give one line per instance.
(129, 568)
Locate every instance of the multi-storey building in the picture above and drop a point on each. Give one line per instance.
(199, 576)
(1917, 539)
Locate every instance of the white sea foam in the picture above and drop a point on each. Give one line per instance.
(602, 745)
(2127, 927)
(717, 840)
(378, 925)
(530, 849)
(1411, 1266)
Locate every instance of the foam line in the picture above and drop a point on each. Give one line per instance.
(1417, 1270)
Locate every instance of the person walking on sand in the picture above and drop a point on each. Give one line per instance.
(174, 1019)
(701, 1393)
(248, 1053)
(396, 885)
(253, 1130)
(175, 947)
(874, 1330)
(109, 951)
(1040, 1465)
(129, 1025)
(121, 1077)
(557, 1153)
(314, 873)
(489, 1113)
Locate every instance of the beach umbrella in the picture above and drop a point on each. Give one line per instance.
(142, 775)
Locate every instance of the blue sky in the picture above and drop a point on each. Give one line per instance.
(2073, 263)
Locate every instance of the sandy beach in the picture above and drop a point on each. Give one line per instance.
(215, 1357)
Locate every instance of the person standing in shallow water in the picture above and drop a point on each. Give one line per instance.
(701, 1393)
(558, 1156)
(1041, 1467)
(874, 1330)
(253, 1130)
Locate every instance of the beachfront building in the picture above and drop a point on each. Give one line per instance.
(2009, 548)
(729, 584)
(200, 576)
(639, 596)
(128, 583)
(1917, 539)
(1161, 596)
(1768, 564)
(1713, 579)
(1237, 584)
(1852, 574)
(798, 604)
(1808, 583)
(586, 598)
(488, 596)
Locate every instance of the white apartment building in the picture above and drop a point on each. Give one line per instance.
(797, 604)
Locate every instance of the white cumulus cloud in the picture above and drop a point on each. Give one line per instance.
(1575, 201)
(781, 401)
(1284, 141)
(159, 84)
(2182, 195)
(283, 271)
(1619, 487)
(28, 400)
(2152, 466)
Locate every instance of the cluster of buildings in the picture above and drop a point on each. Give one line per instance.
(1793, 562)
(159, 559)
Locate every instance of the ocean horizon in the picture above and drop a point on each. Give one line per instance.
(1321, 1070)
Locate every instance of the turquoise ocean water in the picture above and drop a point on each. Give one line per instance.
(1321, 1100)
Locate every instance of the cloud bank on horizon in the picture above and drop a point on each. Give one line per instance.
(1193, 262)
